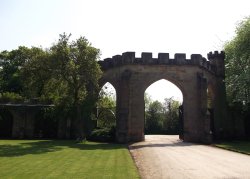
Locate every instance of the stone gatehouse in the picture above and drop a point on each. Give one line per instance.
(200, 80)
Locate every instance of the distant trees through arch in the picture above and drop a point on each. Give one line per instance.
(162, 107)
(106, 107)
(105, 128)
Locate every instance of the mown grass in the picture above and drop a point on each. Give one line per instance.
(237, 146)
(64, 159)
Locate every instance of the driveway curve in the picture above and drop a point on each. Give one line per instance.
(164, 156)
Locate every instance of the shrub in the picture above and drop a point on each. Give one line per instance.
(102, 135)
(10, 97)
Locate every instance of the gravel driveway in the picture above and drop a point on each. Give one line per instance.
(164, 156)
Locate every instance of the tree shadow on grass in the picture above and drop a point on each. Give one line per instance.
(40, 147)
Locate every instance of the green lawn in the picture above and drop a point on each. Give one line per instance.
(237, 146)
(64, 159)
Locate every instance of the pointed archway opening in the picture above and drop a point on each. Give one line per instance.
(163, 109)
(106, 113)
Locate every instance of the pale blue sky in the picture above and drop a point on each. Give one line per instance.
(116, 26)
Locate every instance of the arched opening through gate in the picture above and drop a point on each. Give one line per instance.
(163, 109)
(106, 107)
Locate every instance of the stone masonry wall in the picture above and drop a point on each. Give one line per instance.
(131, 76)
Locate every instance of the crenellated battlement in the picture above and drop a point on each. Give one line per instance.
(217, 61)
(128, 58)
(216, 54)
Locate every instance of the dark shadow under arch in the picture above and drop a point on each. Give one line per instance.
(6, 123)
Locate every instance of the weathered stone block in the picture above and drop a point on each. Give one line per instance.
(147, 58)
(180, 58)
(196, 59)
(163, 58)
(117, 60)
(108, 62)
(128, 57)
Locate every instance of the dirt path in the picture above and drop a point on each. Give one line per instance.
(162, 156)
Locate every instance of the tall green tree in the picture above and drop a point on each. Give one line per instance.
(237, 64)
(162, 118)
(36, 73)
(154, 118)
(171, 121)
(14, 67)
(11, 65)
(75, 65)
(75, 62)
(147, 101)
(66, 74)
(106, 111)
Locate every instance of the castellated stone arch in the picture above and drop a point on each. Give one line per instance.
(131, 76)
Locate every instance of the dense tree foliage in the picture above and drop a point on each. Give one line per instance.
(154, 118)
(36, 73)
(161, 118)
(238, 64)
(106, 117)
(76, 65)
(106, 111)
(66, 75)
(172, 122)
(11, 64)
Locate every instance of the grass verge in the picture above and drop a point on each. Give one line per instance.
(64, 159)
(237, 146)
